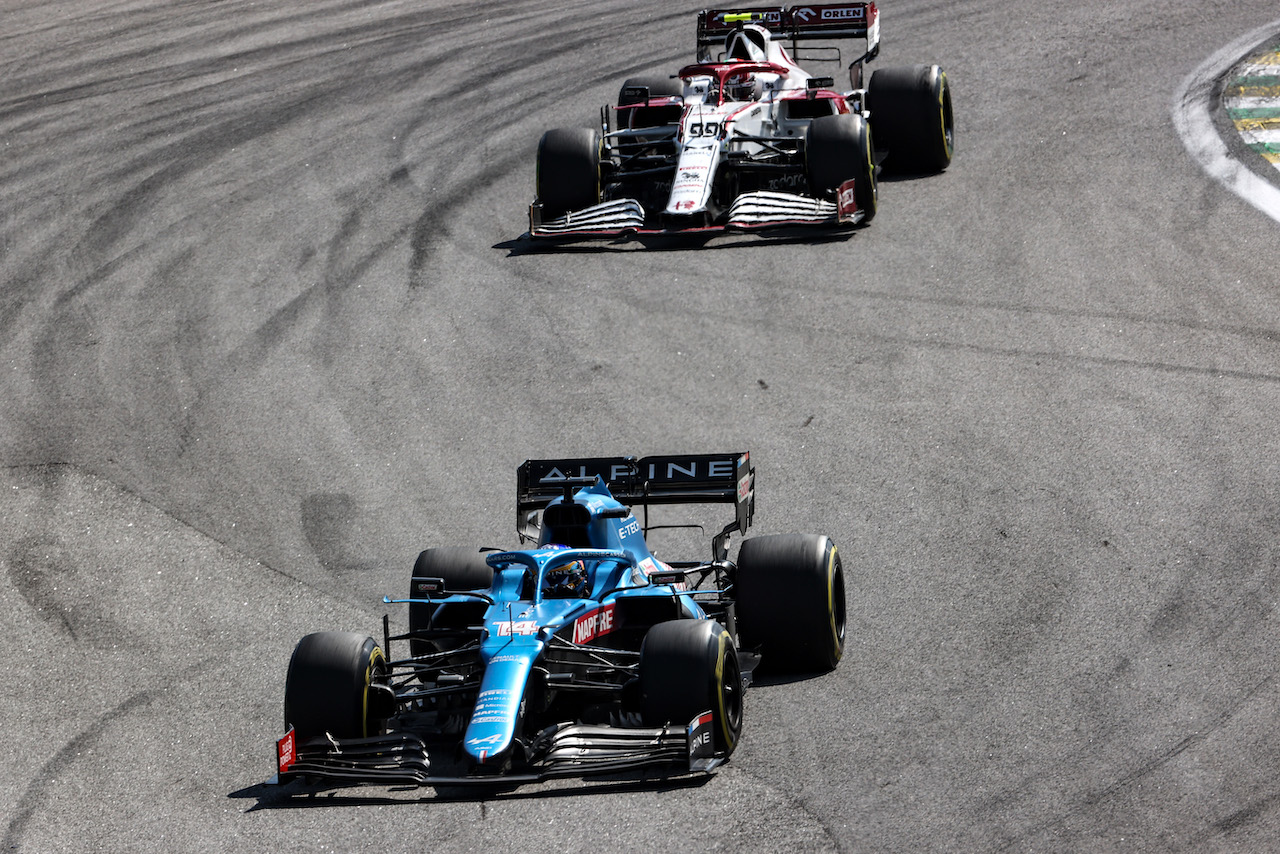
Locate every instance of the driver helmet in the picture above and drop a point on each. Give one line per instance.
(567, 581)
(742, 87)
(748, 44)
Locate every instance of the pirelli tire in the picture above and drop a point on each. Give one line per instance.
(659, 86)
(337, 684)
(912, 116)
(568, 170)
(688, 667)
(635, 114)
(461, 569)
(790, 602)
(836, 149)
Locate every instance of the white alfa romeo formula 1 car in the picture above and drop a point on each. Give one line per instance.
(745, 138)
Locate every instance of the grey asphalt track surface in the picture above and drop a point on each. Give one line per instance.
(268, 328)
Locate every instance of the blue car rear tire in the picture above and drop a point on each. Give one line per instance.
(789, 601)
(460, 568)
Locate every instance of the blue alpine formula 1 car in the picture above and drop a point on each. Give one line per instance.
(581, 655)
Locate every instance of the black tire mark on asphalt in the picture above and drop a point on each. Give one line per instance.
(33, 798)
(1089, 800)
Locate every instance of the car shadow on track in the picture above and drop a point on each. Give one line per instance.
(295, 795)
(775, 680)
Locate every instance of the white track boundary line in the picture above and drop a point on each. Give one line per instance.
(1192, 117)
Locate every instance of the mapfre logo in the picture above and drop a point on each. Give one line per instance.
(590, 626)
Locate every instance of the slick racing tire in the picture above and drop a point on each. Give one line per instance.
(659, 86)
(568, 170)
(460, 568)
(836, 149)
(790, 602)
(910, 110)
(337, 684)
(688, 667)
(640, 117)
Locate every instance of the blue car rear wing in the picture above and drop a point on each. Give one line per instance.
(684, 479)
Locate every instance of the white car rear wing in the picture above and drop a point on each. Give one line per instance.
(798, 23)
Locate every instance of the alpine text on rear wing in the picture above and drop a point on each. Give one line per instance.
(684, 479)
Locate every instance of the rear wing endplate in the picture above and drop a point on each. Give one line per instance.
(684, 479)
(798, 23)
